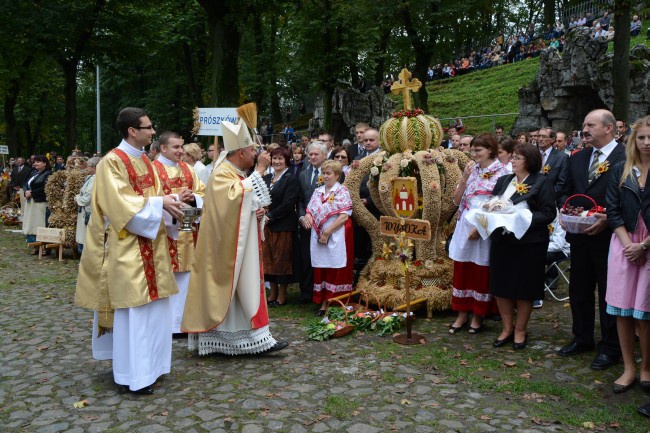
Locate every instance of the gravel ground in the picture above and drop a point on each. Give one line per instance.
(358, 384)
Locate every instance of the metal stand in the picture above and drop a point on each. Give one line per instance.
(410, 338)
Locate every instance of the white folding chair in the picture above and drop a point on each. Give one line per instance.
(562, 266)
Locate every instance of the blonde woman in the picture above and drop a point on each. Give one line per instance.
(628, 275)
(192, 157)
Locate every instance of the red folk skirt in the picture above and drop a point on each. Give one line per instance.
(330, 282)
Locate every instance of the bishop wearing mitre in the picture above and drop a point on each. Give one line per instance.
(225, 311)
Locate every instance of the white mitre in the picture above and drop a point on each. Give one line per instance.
(235, 136)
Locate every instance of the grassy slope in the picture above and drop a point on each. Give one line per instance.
(493, 91)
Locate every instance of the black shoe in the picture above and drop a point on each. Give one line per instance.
(147, 390)
(645, 385)
(574, 348)
(274, 304)
(279, 345)
(603, 362)
(455, 329)
(644, 410)
(500, 343)
(620, 389)
(472, 330)
(522, 345)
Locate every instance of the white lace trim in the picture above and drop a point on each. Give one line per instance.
(232, 343)
(483, 297)
(332, 287)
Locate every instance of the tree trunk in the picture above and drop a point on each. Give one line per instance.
(225, 39)
(70, 92)
(258, 34)
(381, 61)
(328, 95)
(621, 61)
(549, 12)
(276, 113)
(192, 80)
(11, 99)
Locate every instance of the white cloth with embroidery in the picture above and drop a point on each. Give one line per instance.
(516, 220)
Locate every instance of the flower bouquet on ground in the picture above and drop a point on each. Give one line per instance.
(390, 323)
(575, 218)
(9, 214)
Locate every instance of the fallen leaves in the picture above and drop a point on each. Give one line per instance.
(509, 363)
(43, 347)
(405, 401)
(81, 404)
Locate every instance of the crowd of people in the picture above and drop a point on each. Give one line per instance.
(524, 44)
(292, 200)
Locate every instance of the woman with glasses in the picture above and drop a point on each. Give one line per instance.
(281, 225)
(471, 253)
(518, 266)
(342, 156)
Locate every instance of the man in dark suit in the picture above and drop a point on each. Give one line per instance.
(19, 177)
(589, 174)
(362, 243)
(357, 148)
(555, 164)
(447, 143)
(309, 181)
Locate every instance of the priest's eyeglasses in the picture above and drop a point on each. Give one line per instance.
(150, 127)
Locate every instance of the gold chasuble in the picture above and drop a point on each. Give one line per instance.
(172, 179)
(226, 279)
(120, 269)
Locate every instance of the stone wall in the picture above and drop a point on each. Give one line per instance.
(570, 84)
(350, 106)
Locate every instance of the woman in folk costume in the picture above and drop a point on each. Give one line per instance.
(125, 273)
(470, 253)
(225, 310)
(332, 238)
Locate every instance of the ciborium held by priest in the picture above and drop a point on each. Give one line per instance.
(190, 214)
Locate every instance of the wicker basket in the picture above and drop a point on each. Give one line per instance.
(578, 224)
(345, 328)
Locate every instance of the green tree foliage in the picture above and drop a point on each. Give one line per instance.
(170, 56)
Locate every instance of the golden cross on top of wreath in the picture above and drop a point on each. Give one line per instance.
(404, 86)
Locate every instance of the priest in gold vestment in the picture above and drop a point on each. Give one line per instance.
(125, 274)
(177, 177)
(225, 311)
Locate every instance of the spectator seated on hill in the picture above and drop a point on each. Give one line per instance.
(446, 71)
(573, 24)
(549, 33)
(606, 19)
(602, 33)
(589, 20)
(430, 73)
(554, 44)
(559, 29)
(521, 55)
(495, 60)
(635, 26)
(582, 21)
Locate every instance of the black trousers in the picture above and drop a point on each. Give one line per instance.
(588, 274)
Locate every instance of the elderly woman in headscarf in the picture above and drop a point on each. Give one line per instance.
(83, 200)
